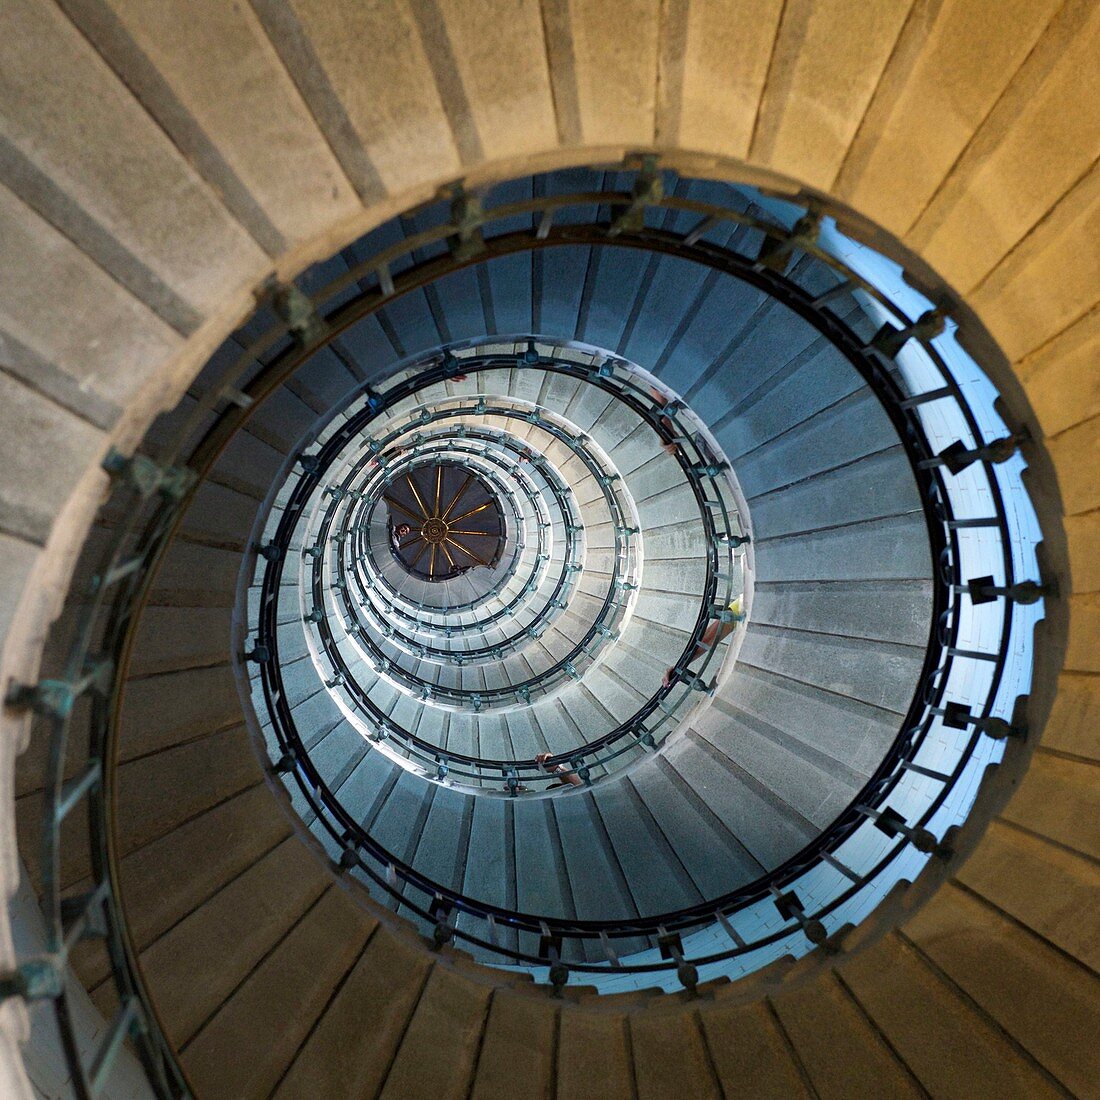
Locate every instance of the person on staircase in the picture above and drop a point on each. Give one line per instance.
(565, 774)
(718, 630)
(661, 400)
(399, 531)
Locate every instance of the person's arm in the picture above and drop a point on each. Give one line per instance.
(716, 631)
(562, 771)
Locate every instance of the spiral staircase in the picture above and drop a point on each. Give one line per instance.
(607, 622)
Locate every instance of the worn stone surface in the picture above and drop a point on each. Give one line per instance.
(1065, 367)
(194, 575)
(238, 116)
(161, 711)
(283, 997)
(1059, 799)
(40, 475)
(1076, 716)
(163, 881)
(193, 969)
(951, 1051)
(98, 348)
(1081, 653)
(1034, 156)
(611, 77)
(1044, 1000)
(1034, 294)
(354, 1042)
(17, 557)
(503, 77)
(715, 71)
(843, 1055)
(749, 1053)
(820, 80)
(668, 1053)
(157, 793)
(1076, 452)
(1041, 885)
(439, 1049)
(86, 154)
(605, 1071)
(519, 1042)
(389, 131)
(180, 638)
(952, 63)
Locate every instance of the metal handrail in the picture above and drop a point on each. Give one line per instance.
(515, 691)
(940, 655)
(466, 765)
(154, 495)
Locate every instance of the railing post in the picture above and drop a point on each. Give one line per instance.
(294, 308)
(775, 251)
(890, 822)
(648, 189)
(958, 716)
(467, 217)
(671, 947)
(36, 979)
(889, 340)
(791, 908)
(956, 457)
(986, 590)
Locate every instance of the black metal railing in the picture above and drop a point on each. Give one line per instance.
(151, 494)
(563, 584)
(871, 809)
(650, 722)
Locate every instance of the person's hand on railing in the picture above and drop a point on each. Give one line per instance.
(717, 631)
(661, 400)
(562, 771)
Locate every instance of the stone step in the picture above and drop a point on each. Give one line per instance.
(947, 1046)
(880, 673)
(704, 839)
(838, 1048)
(286, 994)
(340, 1055)
(751, 1053)
(1018, 981)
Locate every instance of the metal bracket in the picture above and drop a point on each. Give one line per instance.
(956, 457)
(791, 908)
(258, 654)
(55, 698)
(296, 310)
(890, 822)
(957, 716)
(648, 190)
(468, 218)
(888, 341)
(147, 477)
(986, 590)
(36, 979)
(775, 251)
